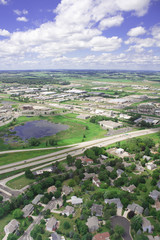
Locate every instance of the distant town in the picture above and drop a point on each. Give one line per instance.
(79, 155)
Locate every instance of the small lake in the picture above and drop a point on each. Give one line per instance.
(38, 129)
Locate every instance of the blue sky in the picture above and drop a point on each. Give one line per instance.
(74, 34)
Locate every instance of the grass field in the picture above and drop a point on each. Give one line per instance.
(20, 182)
(78, 131)
(17, 157)
(3, 223)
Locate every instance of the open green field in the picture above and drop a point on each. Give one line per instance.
(78, 131)
(20, 182)
(3, 223)
(20, 156)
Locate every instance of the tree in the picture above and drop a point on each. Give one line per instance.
(34, 142)
(78, 164)
(11, 236)
(29, 174)
(119, 230)
(1, 212)
(136, 222)
(66, 225)
(70, 160)
(1, 198)
(141, 237)
(17, 214)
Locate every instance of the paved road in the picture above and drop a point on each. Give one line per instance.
(75, 150)
(121, 221)
(26, 235)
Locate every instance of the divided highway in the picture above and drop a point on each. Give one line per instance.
(74, 151)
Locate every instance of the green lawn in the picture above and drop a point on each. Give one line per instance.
(3, 222)
(75, 133)
(16, 157)
(20, 182)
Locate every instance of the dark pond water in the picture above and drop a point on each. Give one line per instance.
(38, 129)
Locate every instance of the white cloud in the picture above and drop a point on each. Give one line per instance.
(22, 19)
(4, 33)
(20, 12)
(105, 44)
(139, 6)
(134, 32)
(111, 22)
(74, 28)
(156, 34)
(3, 2)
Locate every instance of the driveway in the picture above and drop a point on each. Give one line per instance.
(121, 221)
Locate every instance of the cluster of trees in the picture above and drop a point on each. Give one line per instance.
(94, 152)
(98, 118)
(136, 145)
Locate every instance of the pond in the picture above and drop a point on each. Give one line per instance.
(38, 129)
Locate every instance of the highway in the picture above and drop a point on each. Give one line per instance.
(78, 149)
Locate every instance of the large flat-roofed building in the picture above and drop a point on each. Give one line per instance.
(110, 124)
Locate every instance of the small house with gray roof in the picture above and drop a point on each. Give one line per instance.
(27, 210)
(97, 210)
(12, 226)
(51, 224)
(154, 195)
(135, 208)
(146, 225)
(37, 199)
(116, 201)
(92, 223)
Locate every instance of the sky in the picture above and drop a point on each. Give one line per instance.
(80, 34)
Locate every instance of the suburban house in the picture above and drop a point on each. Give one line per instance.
(148, 158)
(55, 236)
(135, 208)
(150, 237)
(146, 225)
(11, 227)
(109, 168)
(97, 210)
(88, 176)
(51, 224)
(158, 184)
(37, 199)
(120, 151)
(151, 166)
(102, 236)
(129, 189)
(96, 181)
(57, 202)
(116, 201)
(28, 209)
(119, 172)
(66, 190)
(68, 211)
(92, 223)
(75, 200)
(154, 195)
(52, 189)
(85, 160)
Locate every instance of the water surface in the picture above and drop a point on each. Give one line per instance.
(38, 129)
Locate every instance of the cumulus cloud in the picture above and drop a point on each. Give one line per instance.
(111, 22)
(4, 33)
(134, 32)
(3, 2)
(20, 12)
(104, 44)
(74, 28)
(140, 7)
(22, 19)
